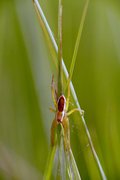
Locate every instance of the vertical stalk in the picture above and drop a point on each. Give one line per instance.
(60, 88)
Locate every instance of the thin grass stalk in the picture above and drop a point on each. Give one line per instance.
(78, 41)
(50, 34)
(50, 161)
(71, 166)
(60, 84)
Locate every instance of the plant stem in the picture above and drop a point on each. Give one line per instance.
(60, 48)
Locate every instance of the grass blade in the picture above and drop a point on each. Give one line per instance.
(72, 170)
(70, 164)
(74, 166)
(49, 166)
(60, 48)
(78, 40)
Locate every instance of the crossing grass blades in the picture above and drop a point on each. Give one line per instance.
(61, 152)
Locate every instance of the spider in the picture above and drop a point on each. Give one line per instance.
(61, 115)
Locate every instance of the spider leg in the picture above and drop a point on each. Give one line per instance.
(74, 110)
(53, 132)
(52, 110)
(68, 96)
(54, 93)
(65, 124)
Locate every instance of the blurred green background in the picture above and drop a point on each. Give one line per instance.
(26, 68)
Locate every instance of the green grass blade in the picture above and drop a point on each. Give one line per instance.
(46, 30)
(78, 40)
(74, 166)
(72, 169)
(49, 166)
(60, 48)
(45, 26)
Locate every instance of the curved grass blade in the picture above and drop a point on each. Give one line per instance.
(46, 28)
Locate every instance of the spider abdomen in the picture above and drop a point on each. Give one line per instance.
(61, 108)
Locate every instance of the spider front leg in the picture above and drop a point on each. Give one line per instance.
(68, 96)
(54, 94)
(74, 110)
(68, 101)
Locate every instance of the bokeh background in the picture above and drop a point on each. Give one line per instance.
(26, 68)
